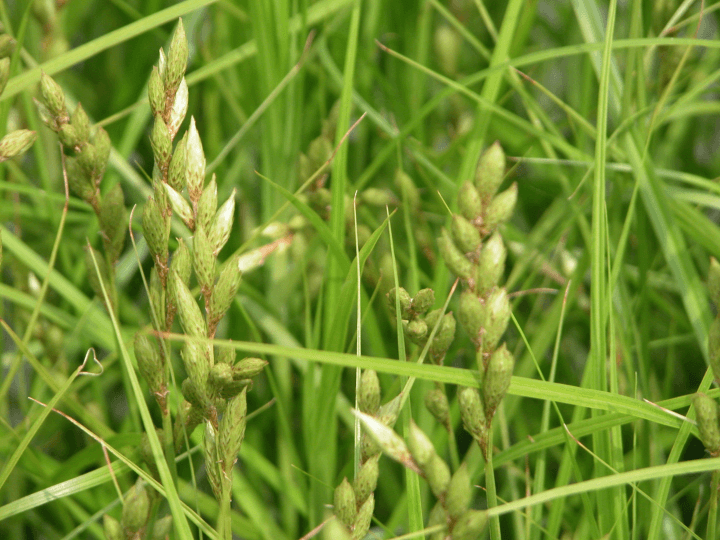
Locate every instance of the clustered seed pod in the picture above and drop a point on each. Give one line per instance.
(474, 250)
(354, 504)
(88, 150)
(418, 323)
(215, 390)
(453, 492)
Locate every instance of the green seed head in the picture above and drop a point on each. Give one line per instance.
(225, 290)
(415, 330)
(53, 98)
(156, 232)
(366, 480)
(207, 205)
(469, 202)
(180, 207)
(135, 509)
(113, 222)
(491, 264)
(179, 109)
(157, 299)
(176, 59)
(182, 262)
(455, 259)
(211, 458)
(232, 432)
(471, 315)
(248, 368)
(389, 412)
(177, 170)
(219, 232)
(369, 394)
(156, 92)
(472, 412)
(465, 234)
(345, 504)
(195, 164)
(459, 493)
(196, 395)
(497, 379)
(420, 446)
(363, 519)
(81, 123)
(490, 171)
(497, 313)
(103, 144)
(161, 143)
(68, 136)
(423, 301)
(437, 473)
(405, 301)
(437, 403)
(15, 143)
(368, 447)
(501, 208)
(191, 318)
(220, 376)
(204, 262)
(707, 420)
(147, 354)
(389, 441)
(443, 337)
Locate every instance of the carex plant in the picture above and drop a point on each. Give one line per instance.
(474, 251)
(452, 517)
(214, 392)
(87, 150)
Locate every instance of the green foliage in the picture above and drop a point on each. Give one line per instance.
(557, 159)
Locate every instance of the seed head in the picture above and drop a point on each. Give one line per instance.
(501, 207)
(490, 171)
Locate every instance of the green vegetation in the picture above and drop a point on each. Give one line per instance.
(356, 270)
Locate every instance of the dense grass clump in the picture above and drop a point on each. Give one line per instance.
(359, 270)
